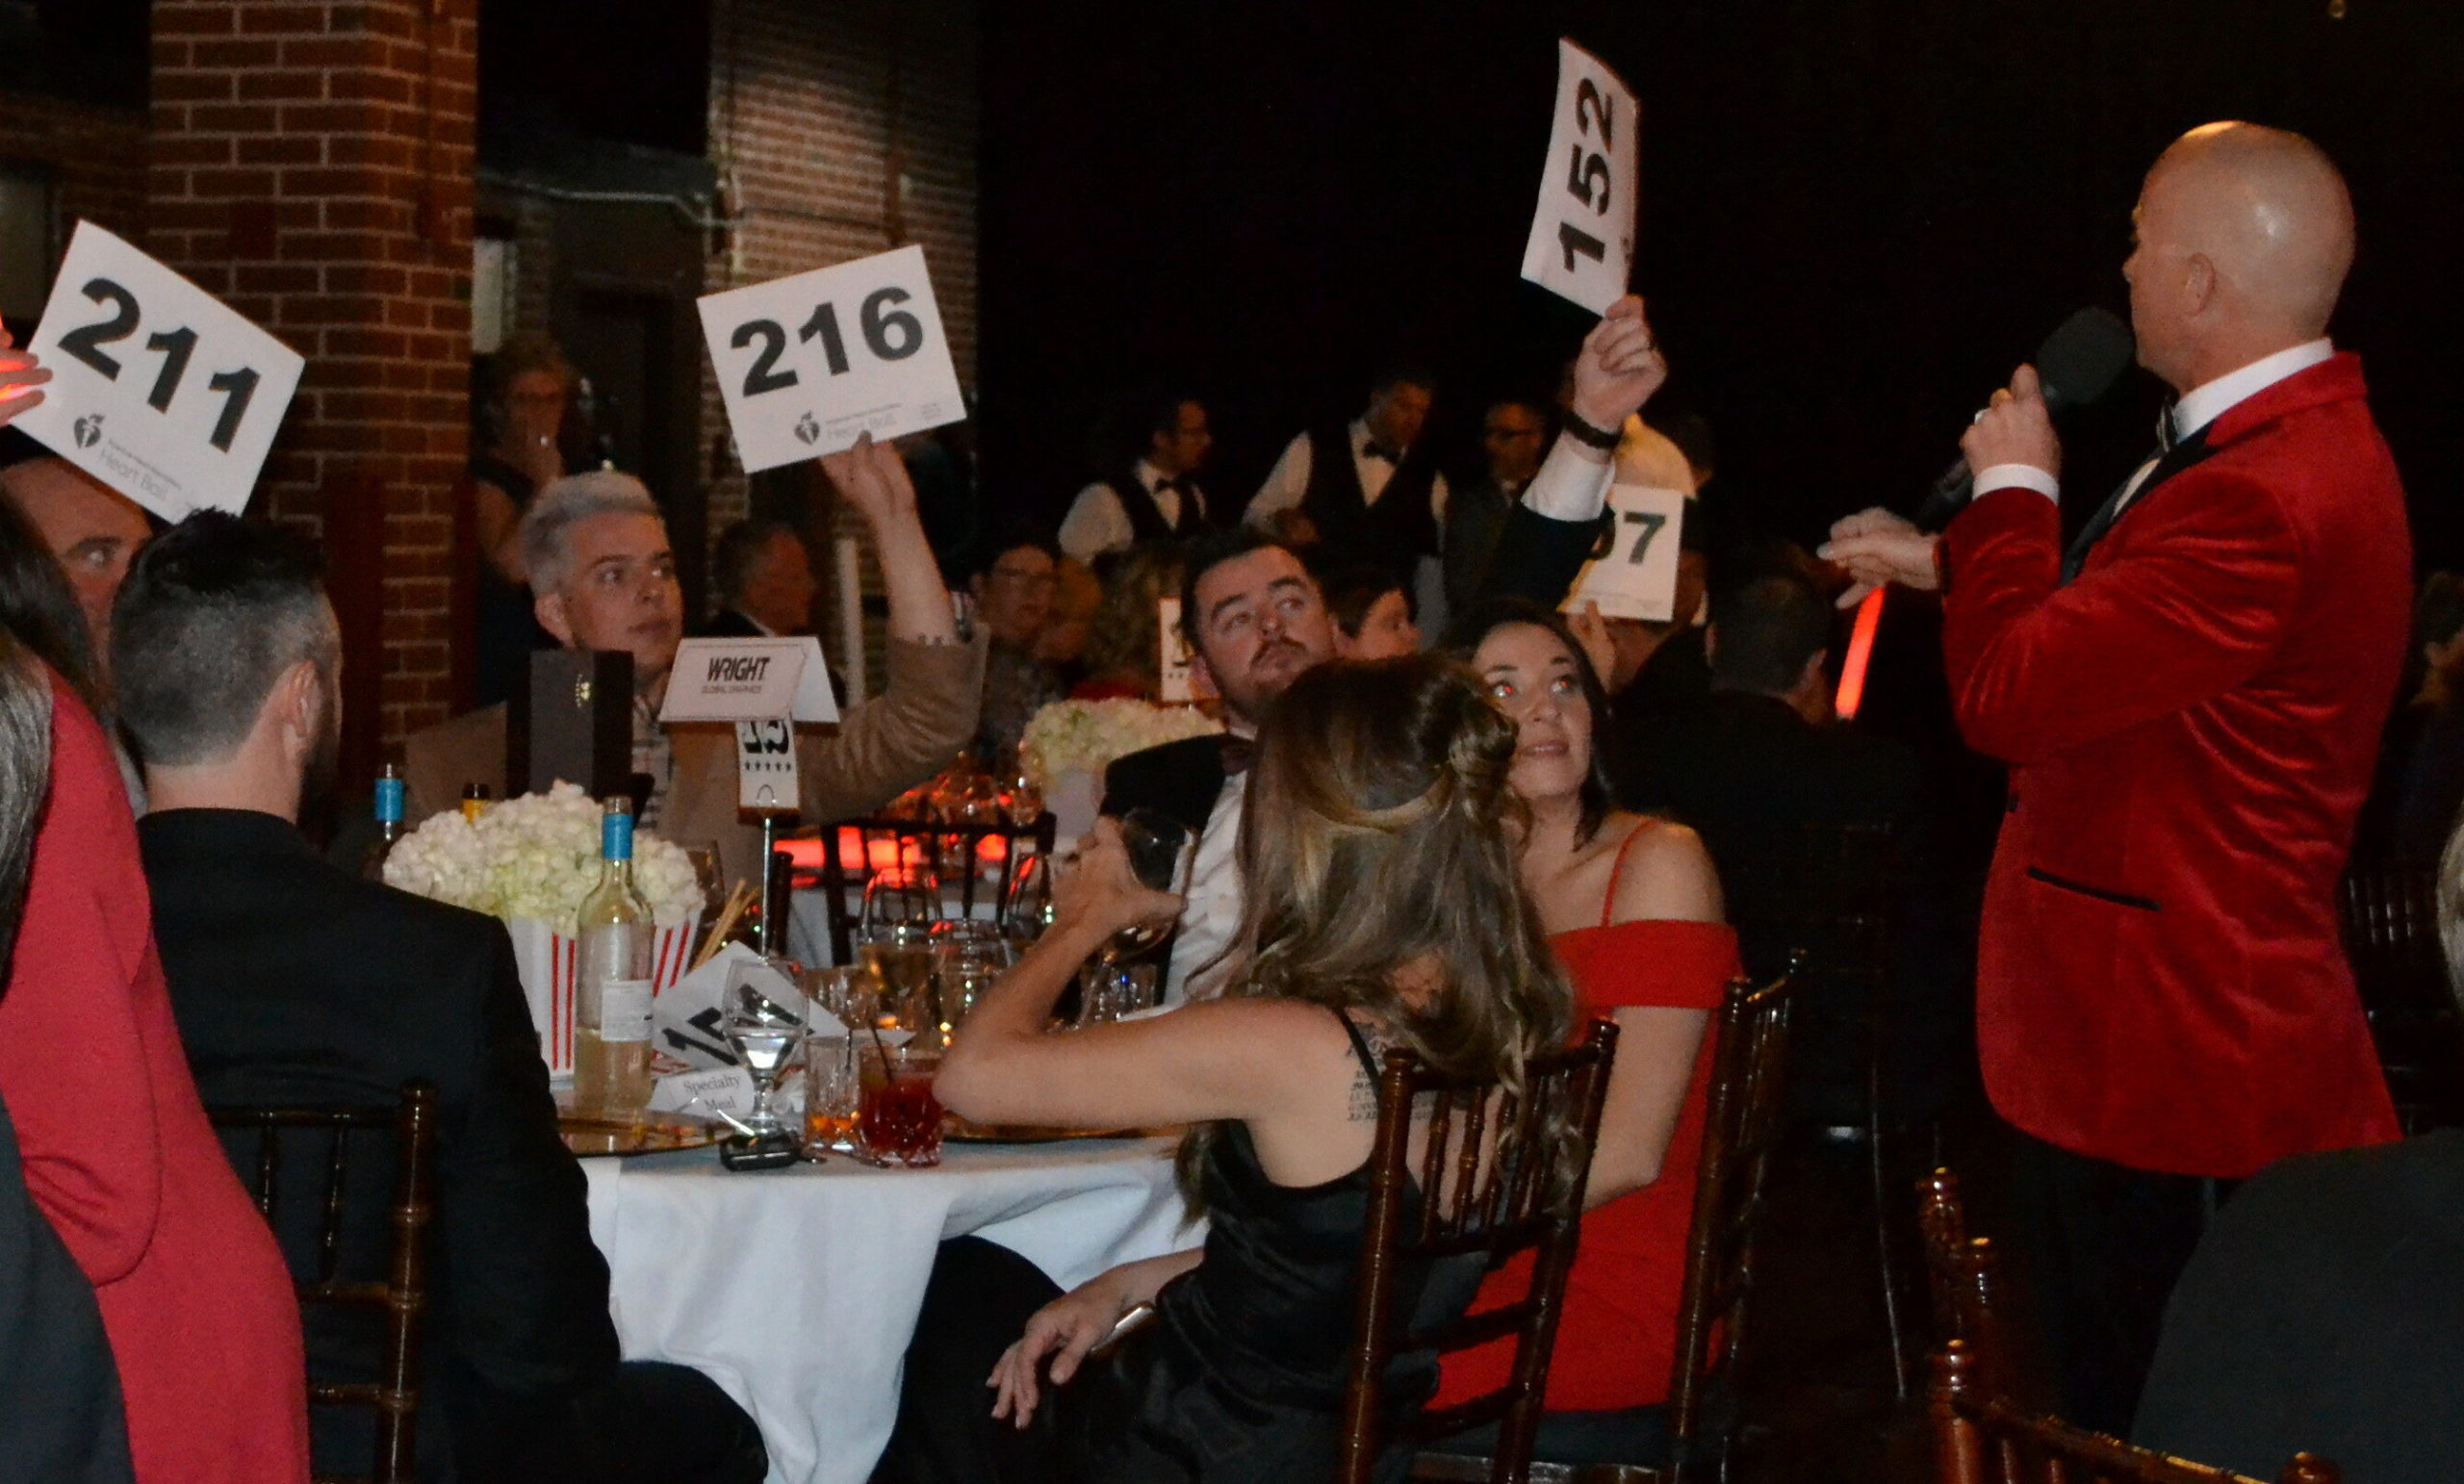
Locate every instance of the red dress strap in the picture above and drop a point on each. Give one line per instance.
(1617, 870)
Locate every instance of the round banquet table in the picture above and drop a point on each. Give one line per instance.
(797, 1289)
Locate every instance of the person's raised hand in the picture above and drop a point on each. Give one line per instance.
(1620, 367)
(1876, 548)
(1064, 1329)
(1591, 631)
(22, 379)
(1100, 894)
(2015, 427)
(872, 478)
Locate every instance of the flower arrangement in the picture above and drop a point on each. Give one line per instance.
(1084, 736)
(535, 856)
(532, 860)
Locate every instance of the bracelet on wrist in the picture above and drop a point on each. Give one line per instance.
(1581, 432)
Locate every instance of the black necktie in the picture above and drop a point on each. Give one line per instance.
(2174, 452)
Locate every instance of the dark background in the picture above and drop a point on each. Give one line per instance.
(1857, 215)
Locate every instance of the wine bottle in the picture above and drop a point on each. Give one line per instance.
(614, 933)
(389, 823)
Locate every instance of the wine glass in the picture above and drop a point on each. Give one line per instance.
(898, 958)
(765, 1035)
(1028, 909)
(901, 893)
(1155, 842)
(968, 955)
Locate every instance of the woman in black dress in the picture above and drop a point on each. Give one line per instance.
(533, 390)
(1382, 908)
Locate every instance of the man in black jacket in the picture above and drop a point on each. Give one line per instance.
(296, 983)
(1256, 620)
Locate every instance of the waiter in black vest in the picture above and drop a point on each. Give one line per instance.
(1363, 493)
(1156, 497)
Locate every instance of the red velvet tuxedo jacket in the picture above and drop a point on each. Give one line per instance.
(2191, 725)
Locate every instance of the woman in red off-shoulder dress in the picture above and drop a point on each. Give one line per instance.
(1632, 906)
(118, 1155)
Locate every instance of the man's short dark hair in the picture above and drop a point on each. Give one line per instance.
(1355, 590)
(1212, 550)
(1766, 630)
(1002, 543)
(214, 612)
(738, 552)
(1160, 413)
(1402, 371)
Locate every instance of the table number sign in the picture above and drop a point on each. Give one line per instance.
(1175, 688)
(159, 388)
(1632, 572)
(764, 686)
(807, 362)
(1582, 236)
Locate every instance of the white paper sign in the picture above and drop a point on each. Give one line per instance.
(1175, 688)
(765, 766)
(755, 680)
(685, 1019)
(805, 363)
(727, 1089)
(1582, 236)
(158, 389)
(1634, 575)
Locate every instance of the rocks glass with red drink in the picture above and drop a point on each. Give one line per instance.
(899, 1121)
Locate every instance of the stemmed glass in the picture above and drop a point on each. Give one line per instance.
(765, 1035)
(1155, 842)
(1028, 910)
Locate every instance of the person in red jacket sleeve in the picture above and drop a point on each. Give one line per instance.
(2189, 699)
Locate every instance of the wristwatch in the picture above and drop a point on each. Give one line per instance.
(1581, 432)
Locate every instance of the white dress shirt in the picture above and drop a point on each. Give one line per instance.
(2200, 406)
(1097, 523)
(1210, 906)
(1288, 482)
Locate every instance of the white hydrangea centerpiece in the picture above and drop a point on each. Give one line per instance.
(530, 862)
(1086, 737)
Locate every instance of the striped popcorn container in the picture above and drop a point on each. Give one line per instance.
(548, 960)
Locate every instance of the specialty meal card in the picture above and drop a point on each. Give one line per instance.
(809, 362)
(159, 388)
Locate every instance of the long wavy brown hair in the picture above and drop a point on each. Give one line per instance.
(1374, 840)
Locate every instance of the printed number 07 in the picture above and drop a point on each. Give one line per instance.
(1652, 522)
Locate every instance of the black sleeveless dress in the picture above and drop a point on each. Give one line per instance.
(1239, 1375)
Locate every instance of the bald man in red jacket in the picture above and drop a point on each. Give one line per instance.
(2189, 699)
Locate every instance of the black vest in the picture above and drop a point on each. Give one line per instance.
(1394, 532)
(1146, 521)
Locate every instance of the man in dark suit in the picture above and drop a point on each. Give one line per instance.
(2323, 1311)
(1759, 763)
(764, 581)
(296, 983)
(2191, 700)
(1255, 619)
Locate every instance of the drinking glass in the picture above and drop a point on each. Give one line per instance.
(766, 1036)
(1112, 991)
(833, 1092)
(901, 893)
(898, 1121)
(1156, 842)
(898, 958)
(1028, 912)
(710, 877)
(1025, 799)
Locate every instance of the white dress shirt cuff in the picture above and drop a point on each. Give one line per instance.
(1570, 487)
(2023, 477)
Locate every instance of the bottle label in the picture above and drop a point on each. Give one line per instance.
(625, 1010)
(389, 801)
(616, 836)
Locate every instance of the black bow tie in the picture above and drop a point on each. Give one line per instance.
(1373, 449)
(1237, 754)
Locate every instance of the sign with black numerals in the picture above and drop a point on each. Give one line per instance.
(765, 765)
(159, 388)
(1632, 573)
(1582, 237)
(808, 363)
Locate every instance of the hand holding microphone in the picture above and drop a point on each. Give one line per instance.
(2015, 427)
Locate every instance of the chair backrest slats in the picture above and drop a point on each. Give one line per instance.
(953, 852)
(1484, 1186)
(402, 1297)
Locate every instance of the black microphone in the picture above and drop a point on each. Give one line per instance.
(2077, 364)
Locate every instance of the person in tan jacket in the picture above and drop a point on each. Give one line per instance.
(596, 552)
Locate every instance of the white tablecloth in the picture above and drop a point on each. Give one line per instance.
(797, 1289)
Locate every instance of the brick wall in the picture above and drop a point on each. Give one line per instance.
(838, 134)
(312, 164)
(94, 156)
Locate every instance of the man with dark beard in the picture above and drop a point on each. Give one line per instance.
(297, 984)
